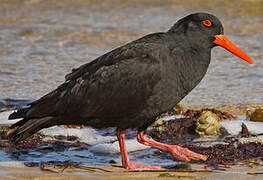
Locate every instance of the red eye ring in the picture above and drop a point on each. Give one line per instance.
(207, 23)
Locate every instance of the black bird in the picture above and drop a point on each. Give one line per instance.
(130, 86)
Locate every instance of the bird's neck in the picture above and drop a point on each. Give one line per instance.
(194, 59)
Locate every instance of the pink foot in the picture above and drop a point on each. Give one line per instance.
(184, 154)
(136, 166)
(178, 152)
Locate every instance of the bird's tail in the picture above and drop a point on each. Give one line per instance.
(27, 127)
(20, 113)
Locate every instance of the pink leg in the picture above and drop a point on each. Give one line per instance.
(124, 155)
(178, 152)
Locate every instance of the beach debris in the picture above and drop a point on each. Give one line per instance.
(208, 124)
(74, 126)
(39, 139)
(182, 166)
(244, 131)
(253, 139)
(166, 175)
(4, 128)
(228, 153)
(221, 150)
(59, 167)
(177, 109)
(196, 123)
(257, 115)
(173, 131)
(159, 126)
(112, 161)
(195, 114)
(65, 138)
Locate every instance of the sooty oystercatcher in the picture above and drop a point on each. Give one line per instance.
(130, 86)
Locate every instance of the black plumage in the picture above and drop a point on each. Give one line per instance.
(131, 85)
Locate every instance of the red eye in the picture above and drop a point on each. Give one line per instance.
(207, 23)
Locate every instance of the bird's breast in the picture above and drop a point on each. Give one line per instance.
(180, 75)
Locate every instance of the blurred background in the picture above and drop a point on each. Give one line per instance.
(42, 40)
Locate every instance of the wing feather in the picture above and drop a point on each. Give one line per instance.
(116, 83)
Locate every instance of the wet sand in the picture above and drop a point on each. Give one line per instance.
(238, 172)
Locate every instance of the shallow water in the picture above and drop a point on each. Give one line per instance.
(99, 147)
(41, 41)
(96, 147)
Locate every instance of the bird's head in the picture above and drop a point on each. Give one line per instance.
(206, 29)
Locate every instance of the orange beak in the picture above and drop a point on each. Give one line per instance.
(222, 41)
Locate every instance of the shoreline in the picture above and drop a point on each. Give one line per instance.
(197, 171)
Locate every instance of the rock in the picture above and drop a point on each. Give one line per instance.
(208, 124)
(244, 131)
(257, 115)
